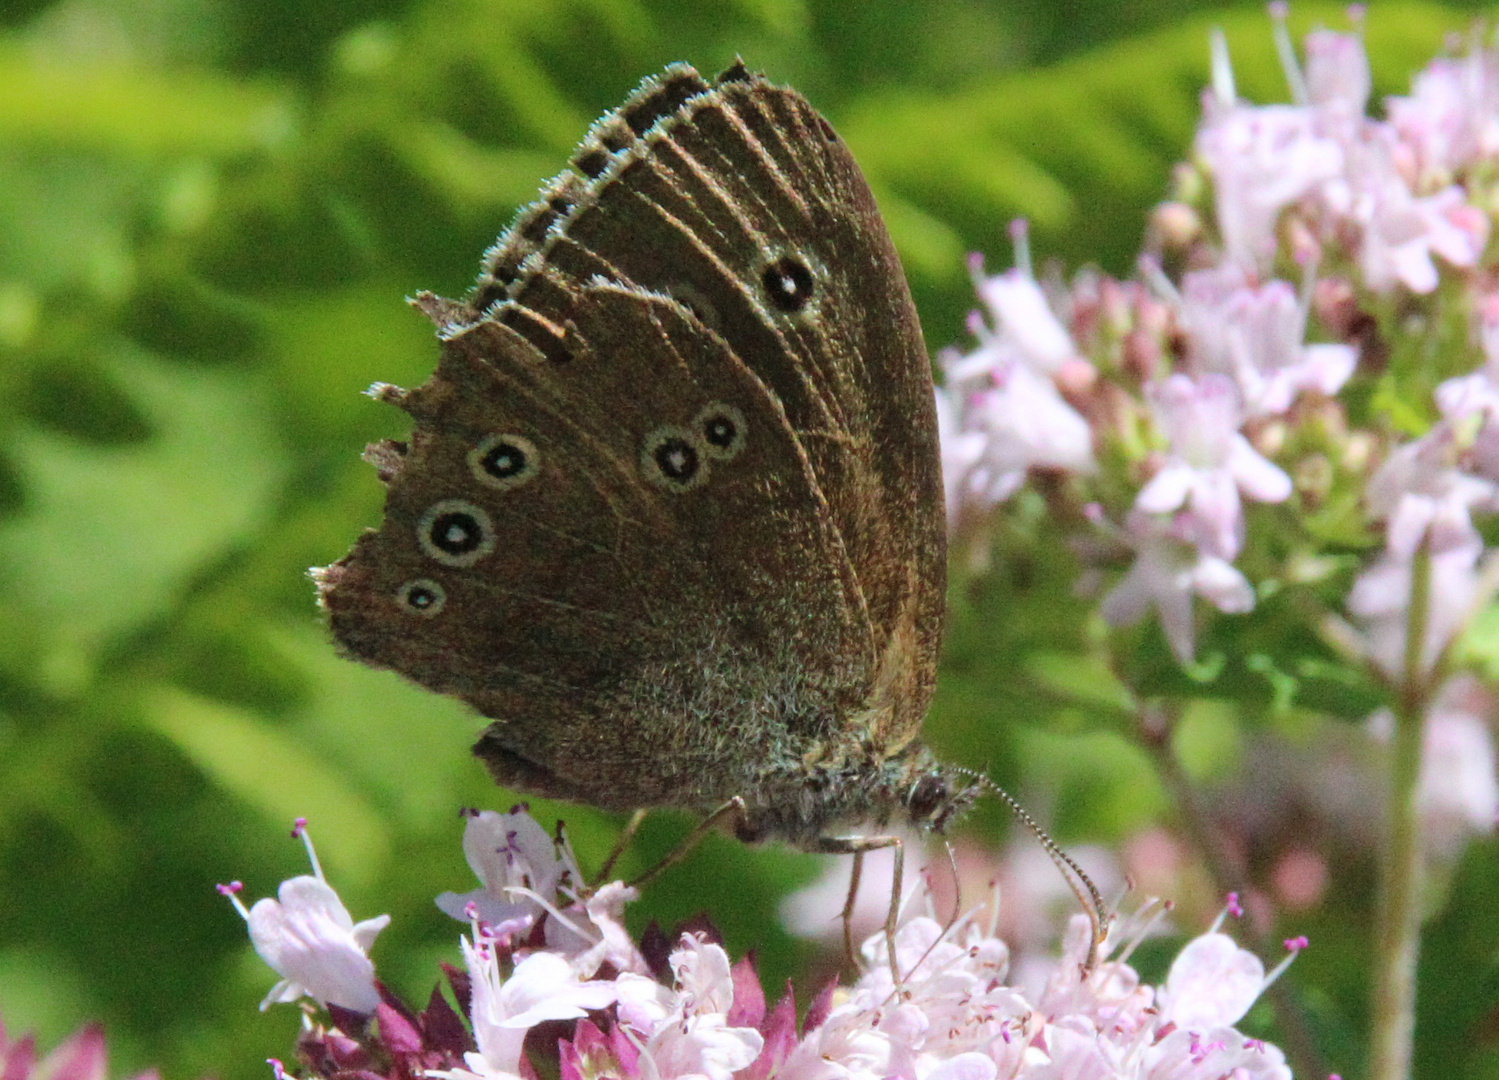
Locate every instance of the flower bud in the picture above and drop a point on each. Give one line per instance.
(1175, 225)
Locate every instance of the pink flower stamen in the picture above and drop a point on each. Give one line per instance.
(232, 891)
(300, 831)
(1285, 49)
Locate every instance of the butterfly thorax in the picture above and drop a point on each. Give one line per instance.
(914, 790)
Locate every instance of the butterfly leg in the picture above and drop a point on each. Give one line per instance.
(848, 909)
(857, 846)
(734, 808)
(623, 841)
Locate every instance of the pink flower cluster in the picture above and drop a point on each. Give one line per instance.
(560, 962)
(82, 1056)
(1178, 402)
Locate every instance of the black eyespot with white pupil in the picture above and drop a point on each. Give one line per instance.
(504, 461)
(423, 597)
(675, 458)
(455, 533)
(722, 429)
(788, 283)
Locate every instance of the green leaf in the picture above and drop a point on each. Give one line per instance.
(272, 770)
(131, 109)
(405, 745)
(111, 535)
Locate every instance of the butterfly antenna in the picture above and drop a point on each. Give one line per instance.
(1081, 884)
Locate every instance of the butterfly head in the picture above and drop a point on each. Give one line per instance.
(938, 795)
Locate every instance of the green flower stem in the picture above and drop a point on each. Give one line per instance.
(1398, 925)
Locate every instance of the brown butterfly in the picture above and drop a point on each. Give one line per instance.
(671, 515)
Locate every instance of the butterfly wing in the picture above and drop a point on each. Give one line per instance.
(670, 514)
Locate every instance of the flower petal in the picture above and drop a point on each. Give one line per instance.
(1212, 983)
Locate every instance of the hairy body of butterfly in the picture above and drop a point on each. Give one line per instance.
(671, 512)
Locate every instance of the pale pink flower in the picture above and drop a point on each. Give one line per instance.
(543, 986)
(695, 1038)
(1034, 900)
(1212, 983)
(955, 1005)
(704, 976)
(1451, 117)
(1474, 396)
(961, 451)
(1025, 322)
(527, 876)
(967, 1066)
(703, 1046)
(1262, 159)
(940, 966)
(592, 933)
(1422, 496)
(1425, 501)
(1169, 570)
(518, 866)
(1209, 462)
(1212, 1055)
(1003, 413)
(1470, 403)
(845, 1046)
(643, 1003)
(1402, 233)
(1110, 995)
(956, 1016)
(1024, 423)
(307, 936)
(1256, 335)
(1401, 227)
(1338, 80)
(1380, 598)
(1265, 159)
(1109, 1025)
(1458, 792)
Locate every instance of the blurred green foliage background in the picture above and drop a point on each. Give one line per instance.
(210, 211)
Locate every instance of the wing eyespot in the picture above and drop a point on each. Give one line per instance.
(789, 284)
(504, 461)
(674, 458)
(423, 597)
(455, 532)
(722, 429)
